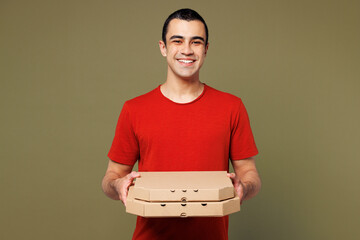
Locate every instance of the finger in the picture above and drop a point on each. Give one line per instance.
(232, 176)
(125, 188)
(131, 176)
(135, 174)
(125, 201)
(239, 193)
(241, 196)
(236, 184)
(123, 195)
(128, 182)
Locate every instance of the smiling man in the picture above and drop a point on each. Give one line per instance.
(185, 48)
(183, 125)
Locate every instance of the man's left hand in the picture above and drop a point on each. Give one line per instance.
(238, 185)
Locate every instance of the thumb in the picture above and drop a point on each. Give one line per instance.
(231, 175)
(133, 175)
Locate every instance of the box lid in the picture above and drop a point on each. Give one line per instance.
(183, 186)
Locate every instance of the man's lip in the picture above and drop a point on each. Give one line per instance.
(186, 59)
(188, 64)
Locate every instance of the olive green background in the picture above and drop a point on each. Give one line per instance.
(66, 68)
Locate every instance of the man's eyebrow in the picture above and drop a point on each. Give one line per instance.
(199, 38)
(193, 38)
(176, 36)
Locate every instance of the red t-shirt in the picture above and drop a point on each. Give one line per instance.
(201, 135)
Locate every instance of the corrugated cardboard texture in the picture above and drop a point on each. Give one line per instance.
(181, 209)
(182, 194)
(183, 186)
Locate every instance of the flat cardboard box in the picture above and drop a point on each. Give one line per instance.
(182, 194)
(181, 209)
(183, 186)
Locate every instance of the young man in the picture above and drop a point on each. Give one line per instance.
(183, 125)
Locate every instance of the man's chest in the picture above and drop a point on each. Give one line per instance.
(207, 125)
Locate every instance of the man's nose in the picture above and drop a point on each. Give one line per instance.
(187, 50)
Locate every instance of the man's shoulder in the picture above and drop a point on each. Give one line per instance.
(223, 96)
(143, 99)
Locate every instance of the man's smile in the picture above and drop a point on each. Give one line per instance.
(186, 62)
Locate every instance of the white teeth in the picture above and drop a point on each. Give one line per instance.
(186, 61)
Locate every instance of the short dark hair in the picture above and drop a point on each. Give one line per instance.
(184, 14)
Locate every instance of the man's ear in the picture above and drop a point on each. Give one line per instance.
(162, 47)
(206, 48)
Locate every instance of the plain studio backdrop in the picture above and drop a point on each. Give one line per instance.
(66, 68)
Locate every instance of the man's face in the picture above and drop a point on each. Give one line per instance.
(185, 48)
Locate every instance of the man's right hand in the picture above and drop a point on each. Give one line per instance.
(117, 180)
(121, 185)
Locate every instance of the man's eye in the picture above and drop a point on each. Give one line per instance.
(197, 42)
(177, 41)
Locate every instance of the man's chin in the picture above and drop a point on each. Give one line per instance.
(188, 77)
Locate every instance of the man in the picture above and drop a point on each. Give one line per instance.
(183, 125)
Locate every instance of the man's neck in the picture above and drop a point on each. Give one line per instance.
(182, 90)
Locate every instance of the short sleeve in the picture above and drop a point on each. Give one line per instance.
(125, 147)
(242, 144)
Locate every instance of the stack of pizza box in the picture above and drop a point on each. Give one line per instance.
(182, 194)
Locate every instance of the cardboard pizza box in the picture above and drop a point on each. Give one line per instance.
(182, 194)
(183, 186)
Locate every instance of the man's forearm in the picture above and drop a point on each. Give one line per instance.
(247, 173)
(108, 185)
(252, 184)
(111, 182)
